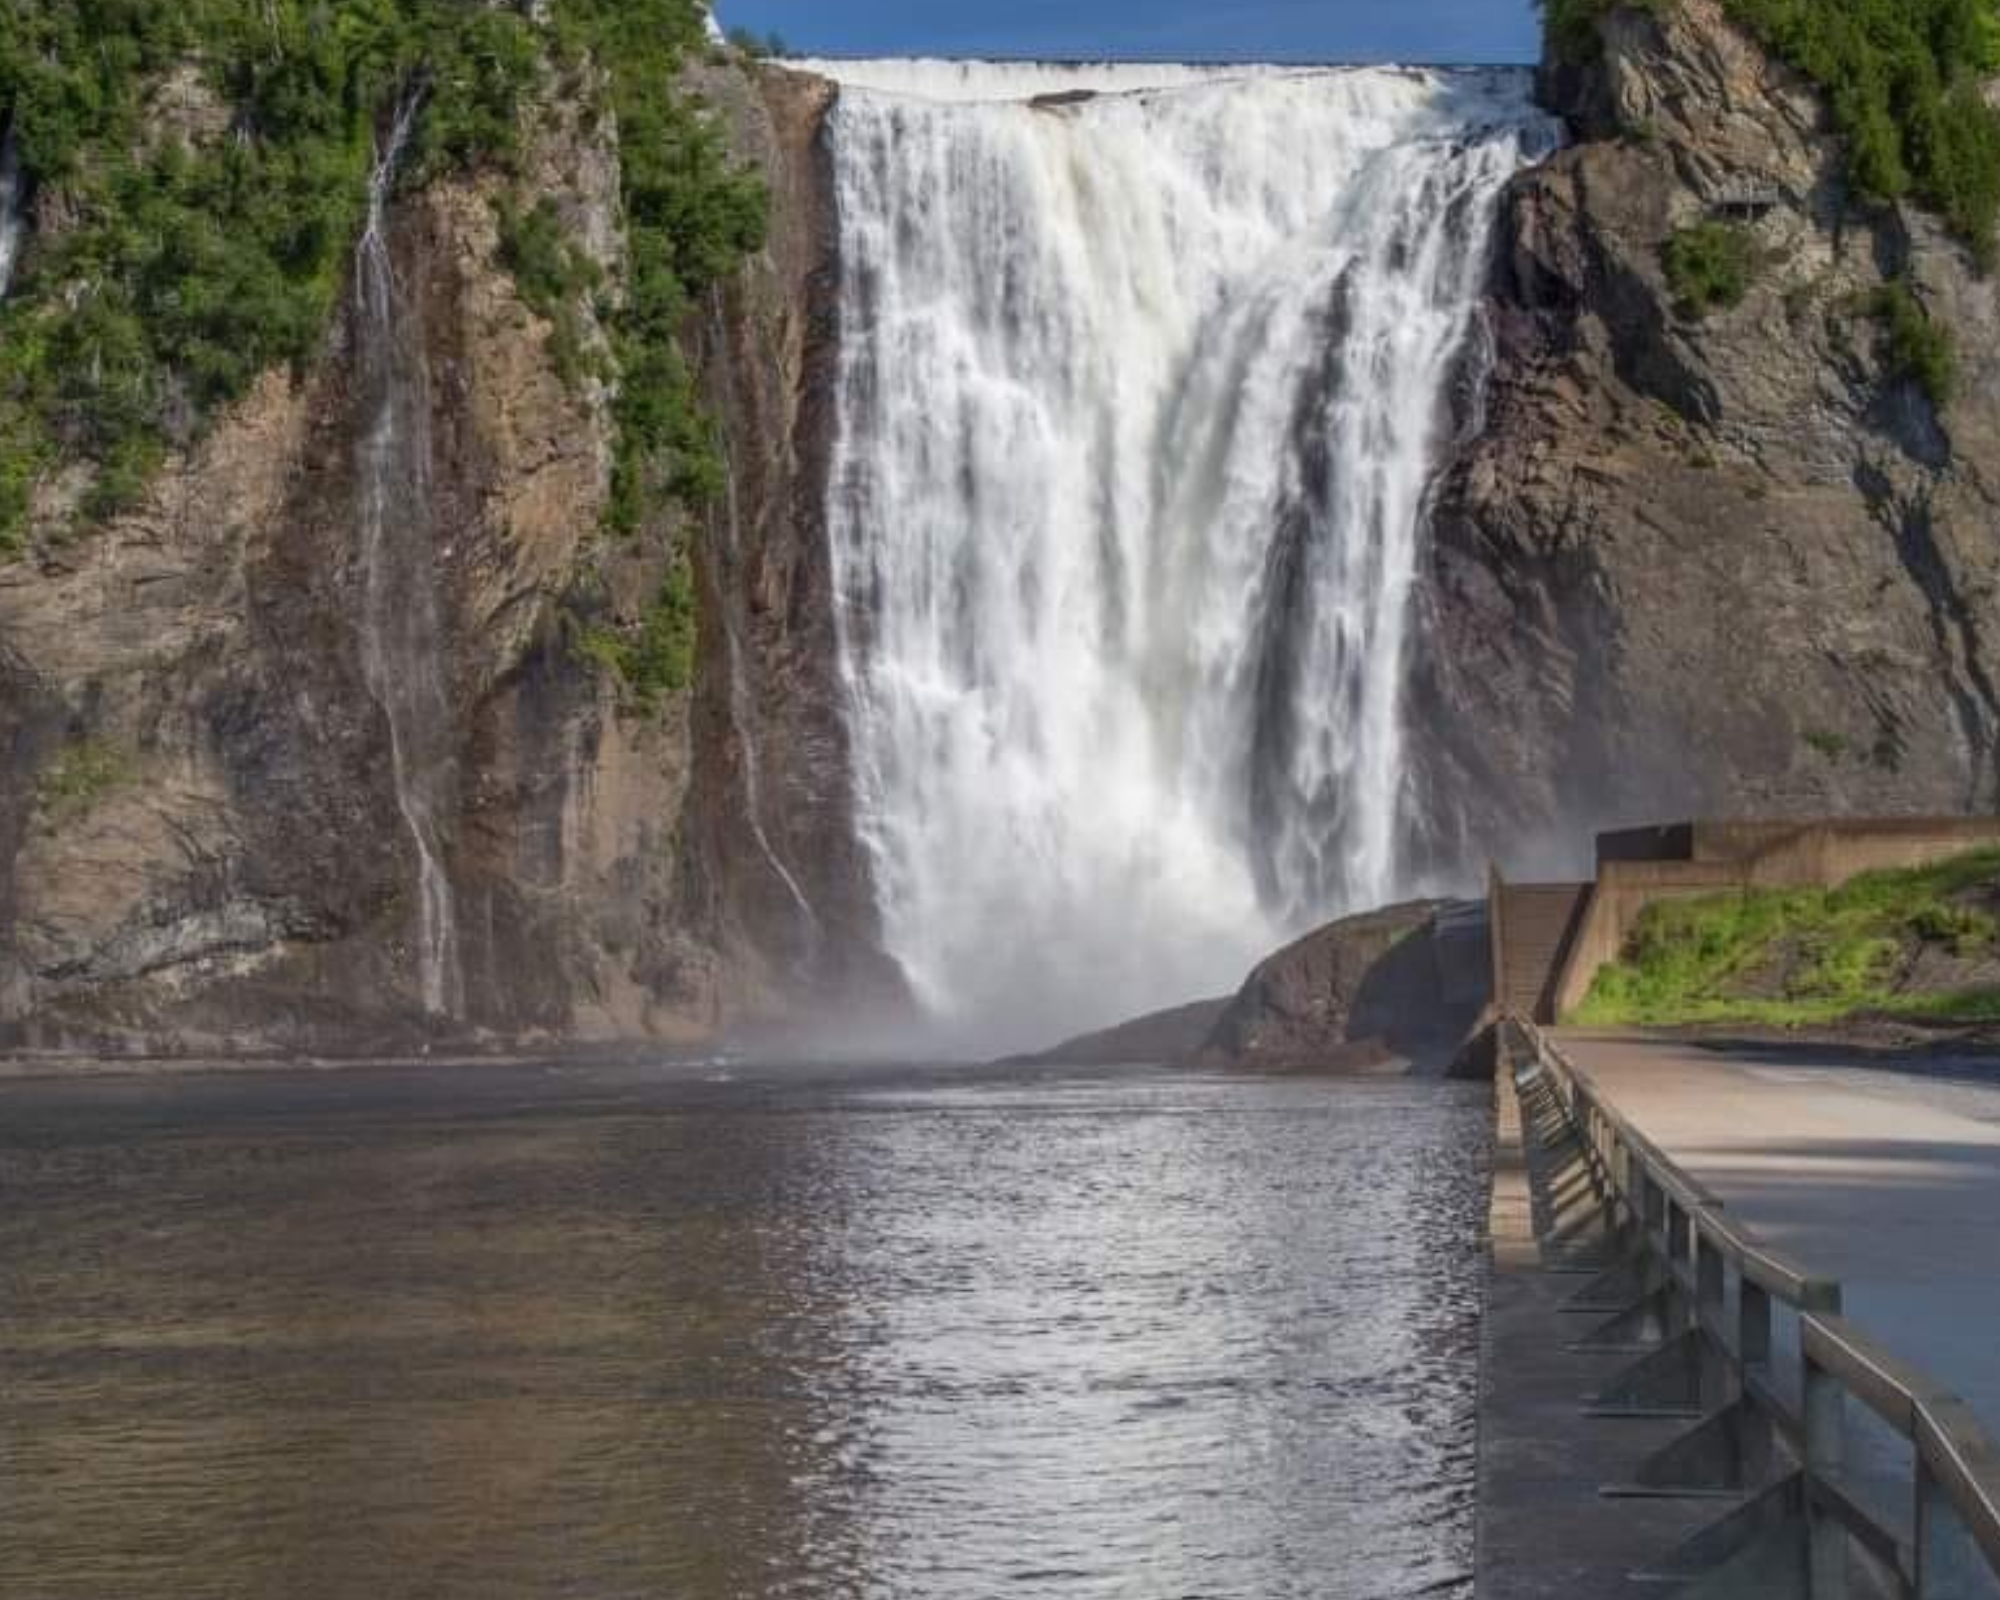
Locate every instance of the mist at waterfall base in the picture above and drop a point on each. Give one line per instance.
(1143, 373)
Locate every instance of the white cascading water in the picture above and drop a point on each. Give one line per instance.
(401, 642)
(13, 218)
(741, 710)
(1142, 379)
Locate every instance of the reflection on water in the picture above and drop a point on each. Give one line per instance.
(611, 1334)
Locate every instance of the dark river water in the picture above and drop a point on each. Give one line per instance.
(614, 1333)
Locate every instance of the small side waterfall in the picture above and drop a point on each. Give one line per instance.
(741, 712)
(13, 203)
(1142, 376)
(401, 641)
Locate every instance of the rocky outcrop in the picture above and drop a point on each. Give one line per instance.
(1381, 992)
(1708, 566)
(200, 839)
(1393, 991)
(1162, 1038)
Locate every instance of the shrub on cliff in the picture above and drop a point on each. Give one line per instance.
(1919, 348)
(1902, 79)
(1709, 267)
(552, 276)
(188, 261)
(1571, 25)
(691, 215)
(653, 657)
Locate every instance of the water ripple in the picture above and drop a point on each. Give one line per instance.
(1139, 1337)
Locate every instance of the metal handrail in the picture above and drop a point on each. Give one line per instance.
(1956, 1469)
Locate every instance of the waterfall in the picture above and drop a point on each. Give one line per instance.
(1142, 377)
(402, 647)
(741, 713)
(13, 196)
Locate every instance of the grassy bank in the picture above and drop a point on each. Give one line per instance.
(1919, 946)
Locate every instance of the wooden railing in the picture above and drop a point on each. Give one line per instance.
(1690, 1263)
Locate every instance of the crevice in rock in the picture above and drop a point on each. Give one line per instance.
(1954, 624)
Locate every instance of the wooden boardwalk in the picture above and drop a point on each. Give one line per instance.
(1888, 1180)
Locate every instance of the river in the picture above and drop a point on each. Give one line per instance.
(705, 1334)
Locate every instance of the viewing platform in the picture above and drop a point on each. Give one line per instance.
(1743, 1327)
(1744, 1330)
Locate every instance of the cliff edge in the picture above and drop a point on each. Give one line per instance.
(1715, 545)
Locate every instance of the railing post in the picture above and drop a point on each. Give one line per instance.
(1718, 1375)
(1949, 1563)
(1708, 1275)
(1932, 1572)
(1826, 1451)
(1681, 1315)
(1753, 1326)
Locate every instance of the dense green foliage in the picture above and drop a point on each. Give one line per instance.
(185, 266)
(1709, 267)
(1902, 78)
(1805, 956)
(192, 259)
(690, 216)
(1572, 24)
(553, 277)
(1920, 349)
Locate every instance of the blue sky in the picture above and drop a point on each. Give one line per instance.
(1259, 30)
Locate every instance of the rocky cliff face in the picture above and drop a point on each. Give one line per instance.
(201, 840)
(1733, 564)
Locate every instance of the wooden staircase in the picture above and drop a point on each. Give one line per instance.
(1534, 926)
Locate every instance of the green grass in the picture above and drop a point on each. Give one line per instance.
(1969, 1006)
(1794, 957)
